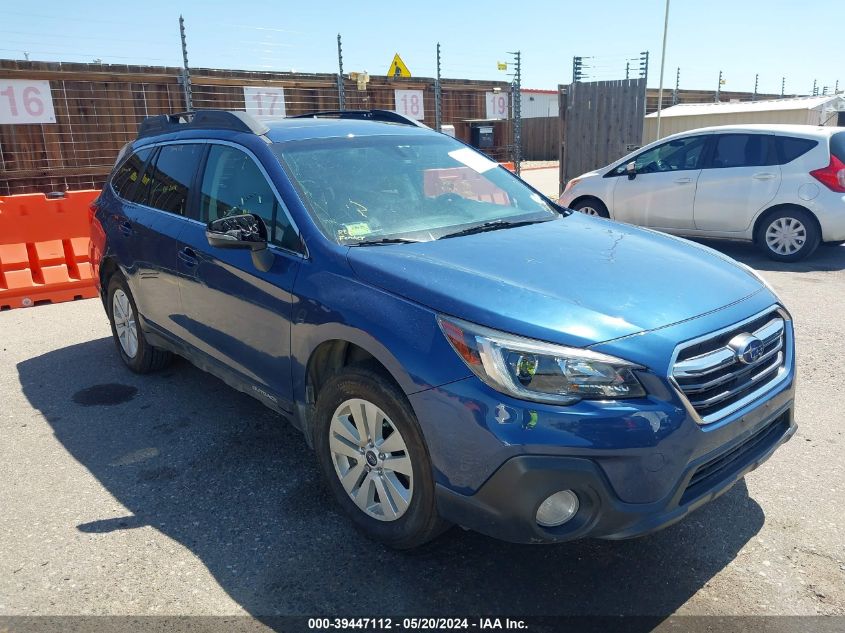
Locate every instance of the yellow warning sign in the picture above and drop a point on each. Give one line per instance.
(502, 65)
(398, 68)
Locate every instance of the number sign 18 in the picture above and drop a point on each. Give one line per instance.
(265, 102)
(26, 101)
(410, 103)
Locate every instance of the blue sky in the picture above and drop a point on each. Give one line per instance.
(774, 38)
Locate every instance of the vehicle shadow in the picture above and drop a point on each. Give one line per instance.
(214, 470)
(825, 259)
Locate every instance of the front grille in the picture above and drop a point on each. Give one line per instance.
(713, 378)
(710, 473)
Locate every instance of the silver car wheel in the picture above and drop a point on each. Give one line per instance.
(589, 211)
(124, 323)
(786, 236)
(371, 459)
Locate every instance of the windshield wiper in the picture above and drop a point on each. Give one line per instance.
(385, 240)
(493, 225)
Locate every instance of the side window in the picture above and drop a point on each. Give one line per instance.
(789, 148)
(233, 184)
(743, 150)
(676, 155)
(170, 179)
(129, 172)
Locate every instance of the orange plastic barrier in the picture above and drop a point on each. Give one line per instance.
(44, 249)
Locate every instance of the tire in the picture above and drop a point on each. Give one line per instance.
(395, 507)
(135, 352)
(591, 206)
(788, 235)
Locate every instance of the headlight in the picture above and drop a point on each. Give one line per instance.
(538, 371)
(571, 184)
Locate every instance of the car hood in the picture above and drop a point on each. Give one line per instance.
(575, 280)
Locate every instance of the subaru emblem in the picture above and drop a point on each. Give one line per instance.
(747, 348)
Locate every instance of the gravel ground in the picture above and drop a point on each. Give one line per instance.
(173, 494)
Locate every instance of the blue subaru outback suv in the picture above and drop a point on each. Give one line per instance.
(455, 347)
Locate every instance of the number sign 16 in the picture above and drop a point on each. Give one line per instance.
(497, 105)
(26, 101)
(410, 103)
(265, 102)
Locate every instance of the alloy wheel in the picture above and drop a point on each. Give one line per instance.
(371, 459)
(786, 236)
(588, 210)
(124, 323)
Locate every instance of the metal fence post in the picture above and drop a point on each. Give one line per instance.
(516, 96)
(186, 71)
(438, 96)
(341, 93)
(676, 94)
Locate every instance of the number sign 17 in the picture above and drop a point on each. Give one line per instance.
(265, 102)
(26, 101)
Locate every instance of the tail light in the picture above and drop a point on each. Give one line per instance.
(832, 176)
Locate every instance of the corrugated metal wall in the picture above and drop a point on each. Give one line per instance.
(536, 105)
(674, 124)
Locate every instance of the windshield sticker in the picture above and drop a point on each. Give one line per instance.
(473, 160)
(357, 229)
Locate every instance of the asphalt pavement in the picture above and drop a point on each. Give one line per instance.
(172, 494)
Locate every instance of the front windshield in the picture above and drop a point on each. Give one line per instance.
(416, 188)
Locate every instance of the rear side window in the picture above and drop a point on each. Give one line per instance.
(129, 172)
(170, 179)
(789, 148)
(743, 150)
(837, 145)
(233, 184)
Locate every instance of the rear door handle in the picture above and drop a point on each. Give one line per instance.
(683, 181)
(188, 256)
(764, 175)
(125, 227)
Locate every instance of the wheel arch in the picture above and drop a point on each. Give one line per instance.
(763, 215)
(589, 196)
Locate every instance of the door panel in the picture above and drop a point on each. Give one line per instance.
(742, 178)
(235, 313)
(663, 191)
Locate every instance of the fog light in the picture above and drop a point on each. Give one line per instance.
(557, 509)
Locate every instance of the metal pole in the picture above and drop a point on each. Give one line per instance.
(186, 71)
(756, 83)
(627, 70)
(438, 96)
(516, 95)
(783, 86)
(815, 88)
(341, 92)
(662, 63)
(719, 88)
(676, 97)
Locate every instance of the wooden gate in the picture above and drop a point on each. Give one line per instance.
(601, 122)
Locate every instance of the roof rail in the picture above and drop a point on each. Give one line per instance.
(384, 116)
(201, 120)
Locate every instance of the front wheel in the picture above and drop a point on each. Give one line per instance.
(788, 235)
(591, 206)
(375, 461)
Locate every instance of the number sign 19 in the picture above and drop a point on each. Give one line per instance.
(497, 105)
(26, 101)
(265, 102)
(410, 103)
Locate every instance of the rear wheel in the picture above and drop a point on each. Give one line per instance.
(375, 461)
(135, 352)
(591, 206)
(788, 235)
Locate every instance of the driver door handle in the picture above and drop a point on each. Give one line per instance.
(764, 175)
(188, 256)
(683, 181)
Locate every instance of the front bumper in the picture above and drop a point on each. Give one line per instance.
(506, 505)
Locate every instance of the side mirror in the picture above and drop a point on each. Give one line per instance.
(631, 170)
(246, 231)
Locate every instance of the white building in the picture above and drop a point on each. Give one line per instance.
(821, 110)
(539, 103)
